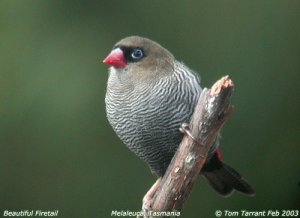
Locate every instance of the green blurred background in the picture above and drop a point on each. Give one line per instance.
(58, 151)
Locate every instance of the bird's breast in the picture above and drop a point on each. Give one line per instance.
(147, 118)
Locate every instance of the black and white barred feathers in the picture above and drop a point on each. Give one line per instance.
(147, 118)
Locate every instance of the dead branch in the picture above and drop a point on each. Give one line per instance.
(209, 116)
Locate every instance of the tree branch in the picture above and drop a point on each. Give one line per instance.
(209, 116)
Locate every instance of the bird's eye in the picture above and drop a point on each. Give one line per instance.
(137, 54)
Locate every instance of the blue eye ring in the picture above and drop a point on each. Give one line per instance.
(137, 54)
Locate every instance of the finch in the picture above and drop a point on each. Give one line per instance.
(149, 95)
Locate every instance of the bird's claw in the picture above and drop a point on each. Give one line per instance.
(185, 128)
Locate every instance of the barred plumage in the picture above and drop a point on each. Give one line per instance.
(147, 119)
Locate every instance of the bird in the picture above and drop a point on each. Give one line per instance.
(149, 95)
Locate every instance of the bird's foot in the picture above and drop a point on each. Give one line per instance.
(185, 128)
(147, 200)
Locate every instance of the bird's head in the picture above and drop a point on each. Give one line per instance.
(141, 57)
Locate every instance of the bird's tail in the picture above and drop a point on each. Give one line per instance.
(223, 178)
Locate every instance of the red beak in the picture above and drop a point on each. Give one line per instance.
(115, 58)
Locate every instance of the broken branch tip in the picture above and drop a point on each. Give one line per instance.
(224, 82)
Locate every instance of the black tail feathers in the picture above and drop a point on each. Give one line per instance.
(224, 179)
